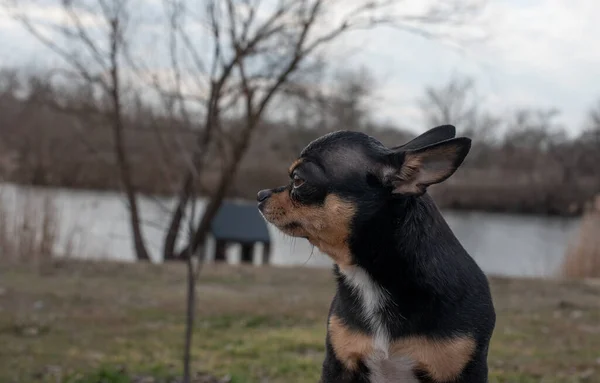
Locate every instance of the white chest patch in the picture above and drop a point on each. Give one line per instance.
(396, 369)
(383, 367)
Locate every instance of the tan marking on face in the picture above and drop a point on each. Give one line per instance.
(442, 359)
(327, 226)
(350, 347)
(294, 165)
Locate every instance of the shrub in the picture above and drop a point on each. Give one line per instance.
(583, 255)
(28, 227)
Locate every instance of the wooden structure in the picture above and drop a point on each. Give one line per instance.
(238, 234)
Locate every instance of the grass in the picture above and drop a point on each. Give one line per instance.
(583, 256)
(255, 324)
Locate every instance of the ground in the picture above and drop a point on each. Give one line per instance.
(265, 324)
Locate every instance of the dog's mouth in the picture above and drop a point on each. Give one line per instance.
(294, 229)
(280, 218)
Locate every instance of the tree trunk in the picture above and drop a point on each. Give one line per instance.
(122, 160)
(172, 233)
(190, 316)
(125, 174)
(204, 141)
(227, 176)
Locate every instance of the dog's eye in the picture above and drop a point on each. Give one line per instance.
(298, 182)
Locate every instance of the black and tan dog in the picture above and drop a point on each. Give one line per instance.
(411, 305)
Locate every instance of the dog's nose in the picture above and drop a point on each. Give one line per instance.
(263, 195)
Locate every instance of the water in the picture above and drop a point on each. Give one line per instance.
(95, 224)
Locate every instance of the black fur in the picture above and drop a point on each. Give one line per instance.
(403, 243)
(432, 136)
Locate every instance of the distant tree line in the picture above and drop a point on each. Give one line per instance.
(525, 162)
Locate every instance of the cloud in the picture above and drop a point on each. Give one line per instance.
(541, 53)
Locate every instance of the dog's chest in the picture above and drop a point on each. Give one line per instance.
(384, 366)
(393, 369)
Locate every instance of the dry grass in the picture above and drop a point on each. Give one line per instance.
(583, 256)
(28, 228)
(257, 324)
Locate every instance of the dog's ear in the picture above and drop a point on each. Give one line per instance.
(430, 137)
(410, 172)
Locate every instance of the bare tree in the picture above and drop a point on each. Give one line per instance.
(96, 60)
(536, 144)
(587, 145)
(592, 129)
(347, 105)
(535, 129)
(457, 103)
(594, 117)
(343, 104)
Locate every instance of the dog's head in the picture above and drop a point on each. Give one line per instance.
(343, 173)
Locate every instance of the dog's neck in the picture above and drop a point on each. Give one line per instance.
(399, 268)
(401, 244)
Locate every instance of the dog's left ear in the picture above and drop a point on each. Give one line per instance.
(430, 137)
(410, 172)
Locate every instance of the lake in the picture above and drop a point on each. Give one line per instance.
(96, 226)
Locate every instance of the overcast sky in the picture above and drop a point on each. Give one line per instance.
(541, 53)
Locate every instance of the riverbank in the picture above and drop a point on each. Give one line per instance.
(459, 195)
(255, 324)
(96, 226)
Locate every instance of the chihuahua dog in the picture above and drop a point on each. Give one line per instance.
(411, 305)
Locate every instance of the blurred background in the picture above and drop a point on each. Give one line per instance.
(134, 135)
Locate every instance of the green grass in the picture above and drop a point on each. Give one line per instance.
(82, 322)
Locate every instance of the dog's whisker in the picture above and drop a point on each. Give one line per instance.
(312, 250)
